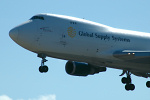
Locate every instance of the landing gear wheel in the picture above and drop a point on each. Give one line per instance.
(124, 80)
(128, 79)
(132, 87)
(148, 84)
(43, 69)
(129, 87)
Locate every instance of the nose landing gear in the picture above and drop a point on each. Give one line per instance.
(43, 68)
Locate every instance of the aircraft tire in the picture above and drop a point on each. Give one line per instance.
(132, 87)
(124, 80)
(129, 87)
(148, 84)
(128, 80)
(43, 69)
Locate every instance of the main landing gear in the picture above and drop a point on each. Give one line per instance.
(127, 80)
(43, 68)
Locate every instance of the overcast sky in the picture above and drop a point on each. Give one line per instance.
(19, 75)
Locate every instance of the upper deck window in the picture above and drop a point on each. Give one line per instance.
(38, 17)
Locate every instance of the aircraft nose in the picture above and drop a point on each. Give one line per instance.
(13, 33)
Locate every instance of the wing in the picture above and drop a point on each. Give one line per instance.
(133, 56)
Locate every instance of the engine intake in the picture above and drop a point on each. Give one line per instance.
(82, 69)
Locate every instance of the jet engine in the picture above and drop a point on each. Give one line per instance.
(82, 69)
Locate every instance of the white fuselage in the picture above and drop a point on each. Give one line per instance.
(80, 40)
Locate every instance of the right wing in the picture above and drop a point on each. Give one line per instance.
(133, 56)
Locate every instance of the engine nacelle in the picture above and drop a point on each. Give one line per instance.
(82, 69)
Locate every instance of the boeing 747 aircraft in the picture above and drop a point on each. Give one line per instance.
(89, 47)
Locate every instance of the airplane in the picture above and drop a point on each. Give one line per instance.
(88, 47)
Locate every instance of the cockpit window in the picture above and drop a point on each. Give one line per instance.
(38, 17)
